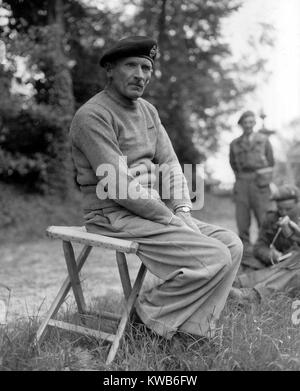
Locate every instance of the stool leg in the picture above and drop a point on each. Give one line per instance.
(129, 304)
(124, 274)
(61, 295)
(74, 276)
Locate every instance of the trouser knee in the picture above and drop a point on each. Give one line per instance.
(233, 245)
(236, 249)
(224, 255)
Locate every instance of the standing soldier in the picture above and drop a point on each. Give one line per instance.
(251, 158)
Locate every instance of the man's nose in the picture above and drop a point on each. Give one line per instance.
(139, 74)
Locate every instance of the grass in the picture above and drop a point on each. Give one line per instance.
(258, 338)
(261, 338)
(25, 216)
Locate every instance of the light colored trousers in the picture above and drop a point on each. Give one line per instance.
(191, 273)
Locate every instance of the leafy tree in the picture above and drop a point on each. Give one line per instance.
(197, 84)
(53, 36)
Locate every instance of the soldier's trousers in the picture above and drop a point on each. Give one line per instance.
(190, 274)
(248, 196)
(284, 276)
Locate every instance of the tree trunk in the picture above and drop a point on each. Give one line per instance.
(61, 98)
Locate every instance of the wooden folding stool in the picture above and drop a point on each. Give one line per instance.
(89, 240)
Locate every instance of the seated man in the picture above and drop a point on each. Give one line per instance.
(193, 264)
(277, 247)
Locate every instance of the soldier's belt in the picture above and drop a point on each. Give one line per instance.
(246, 175)
(248, 170)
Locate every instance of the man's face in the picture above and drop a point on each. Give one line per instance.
(286, 208)
(130, 76)
(248, 124)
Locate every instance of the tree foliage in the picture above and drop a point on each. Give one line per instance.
(197, 84)
(195, 87)
(39, 29)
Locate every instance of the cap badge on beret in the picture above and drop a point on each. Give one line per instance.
(135, 46)
(153, 51)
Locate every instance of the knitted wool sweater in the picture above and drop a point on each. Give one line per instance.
(118, 132)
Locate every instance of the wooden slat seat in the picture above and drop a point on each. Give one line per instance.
(69, 235)
(80, 235)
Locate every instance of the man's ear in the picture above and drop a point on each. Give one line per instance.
(109, 68)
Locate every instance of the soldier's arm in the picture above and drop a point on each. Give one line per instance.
(261, 248)
(269, 153)
(232, 159)
(296, 231)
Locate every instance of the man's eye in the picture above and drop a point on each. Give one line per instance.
(146, 69)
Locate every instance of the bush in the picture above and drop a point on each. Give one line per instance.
(33, 146)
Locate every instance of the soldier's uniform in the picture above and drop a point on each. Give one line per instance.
(282, 275)
(251, 190)
(267, 232)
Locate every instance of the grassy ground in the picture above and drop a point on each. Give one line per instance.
(257, 338)
(24, 217)
(261, 338)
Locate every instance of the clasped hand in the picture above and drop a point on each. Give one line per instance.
(144, 175)
(289, 227)
(274, 255)
(188, 220)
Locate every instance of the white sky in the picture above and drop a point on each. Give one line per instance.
(280, 96)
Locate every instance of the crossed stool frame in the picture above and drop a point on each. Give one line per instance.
(90, 240)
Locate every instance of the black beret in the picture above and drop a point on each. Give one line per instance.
(286, 192)
(138, 46)
(247, 113)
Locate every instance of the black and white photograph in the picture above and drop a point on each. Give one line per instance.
(149, 188)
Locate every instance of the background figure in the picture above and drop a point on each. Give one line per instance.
(251, 158)
(278, 238)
